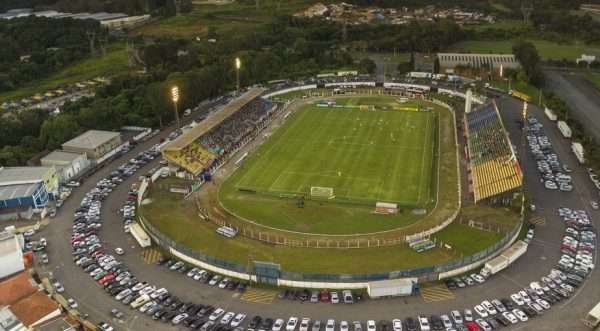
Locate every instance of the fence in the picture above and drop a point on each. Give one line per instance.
(430, 273)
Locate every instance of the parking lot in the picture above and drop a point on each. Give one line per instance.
(543, 255)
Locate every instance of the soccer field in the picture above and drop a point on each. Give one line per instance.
(364, 156)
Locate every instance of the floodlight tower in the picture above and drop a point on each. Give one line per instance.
(238, 66)
(175, 99)
(523, 154)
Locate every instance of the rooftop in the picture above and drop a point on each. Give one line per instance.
(61, 156)
(91, 139)
(34, 308)
(17, 191)
(16, 288)
(8, 243)
(8, 320)
(59, 324)
(22, 175)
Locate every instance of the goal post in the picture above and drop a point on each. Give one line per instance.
(321, 192)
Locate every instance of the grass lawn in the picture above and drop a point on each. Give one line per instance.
(508, 24)
(546, 49)
(177, 219)
(365, 156)
(593, 78)
(115, 62)
(233, 18)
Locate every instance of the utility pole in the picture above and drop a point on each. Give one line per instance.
(523, 154)
(175, 98)
(92, 38)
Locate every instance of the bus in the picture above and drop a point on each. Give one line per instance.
(519, 95)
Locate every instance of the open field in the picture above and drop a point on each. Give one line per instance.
(546, 49)
(232, 18)
(177, 219)
(365, 156)
(115, 62)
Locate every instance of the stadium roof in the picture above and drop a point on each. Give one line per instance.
(212, 121)
(91, 139)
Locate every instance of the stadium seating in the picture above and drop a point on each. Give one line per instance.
(494, 168)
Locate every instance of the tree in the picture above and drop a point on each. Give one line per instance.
(367, 65)
(527, 55)
(58, 130)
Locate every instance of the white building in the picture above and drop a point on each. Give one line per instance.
(11, 255)
(67, 164)
(493, 61)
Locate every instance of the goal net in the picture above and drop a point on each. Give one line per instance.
(321, 192)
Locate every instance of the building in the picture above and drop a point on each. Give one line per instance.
(10, 322)
(23, 190)
(68, 164)
(36, 309)
(424, 62)
(94, 143)
(11, 255)
(449, 61)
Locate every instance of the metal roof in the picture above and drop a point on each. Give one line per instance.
(17, 191)
(59, 156)
(91, 139)
(8, 243)
(22, 175)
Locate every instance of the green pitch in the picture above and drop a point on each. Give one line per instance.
(365, 156)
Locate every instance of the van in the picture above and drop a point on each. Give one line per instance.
(347, 295)
(140, 301)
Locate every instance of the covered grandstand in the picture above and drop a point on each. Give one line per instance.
(207, 143)
(493, 165)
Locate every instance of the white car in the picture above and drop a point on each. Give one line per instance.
(520, 315)
(516, 298)
(446, 320)
(456, 317)
(330, 326)
(525, 296)
(226, 319)
(334, 297)
(397, 324)
(510, 317)
(481, 311)
(478, 278)
(485, 326)
(72, 303)
(224, 282)
(489, 307)
(238, 319)
(468, 315)
(344, 326)
(278, 325)
(119, 251)
(291, 324)
(216, 314)
(424, 323)
(304, 324)
(371, 325)
(543, 303)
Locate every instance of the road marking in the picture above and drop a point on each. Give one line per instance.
(258, 296)
(150, 255)
(436, 293)
(538, 220)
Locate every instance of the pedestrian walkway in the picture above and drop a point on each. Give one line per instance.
(258, 296)
(436, 293)
(150, 255)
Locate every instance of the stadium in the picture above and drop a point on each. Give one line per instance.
(294, 186)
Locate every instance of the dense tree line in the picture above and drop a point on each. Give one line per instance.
(32, 47)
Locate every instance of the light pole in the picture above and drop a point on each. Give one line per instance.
(175, 98)
(238, 65)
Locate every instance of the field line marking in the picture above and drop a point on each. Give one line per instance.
(423, 159)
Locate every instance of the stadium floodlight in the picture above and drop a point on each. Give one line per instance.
(238, 65)
(175, 98)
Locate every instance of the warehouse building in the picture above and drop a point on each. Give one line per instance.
(449, 61)
(11, 255)
(23, 190)
(68, 164)
(94, 143)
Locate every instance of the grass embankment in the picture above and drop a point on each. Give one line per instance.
(546, 49)
(114, 62)
(178, 220)
(227, 19)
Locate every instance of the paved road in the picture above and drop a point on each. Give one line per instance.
(542, 255)
(582, 97)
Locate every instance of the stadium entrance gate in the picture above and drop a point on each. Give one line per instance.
(267, 272)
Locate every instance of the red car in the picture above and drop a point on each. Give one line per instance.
(472, 326)
(106, 279)
(324, 296)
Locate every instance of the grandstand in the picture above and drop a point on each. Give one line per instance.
(207, 144)
(492, 162)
